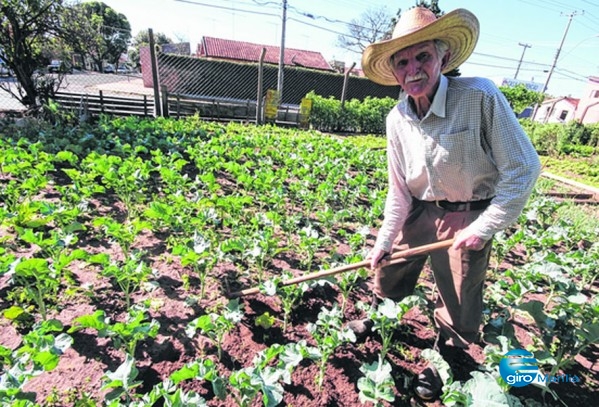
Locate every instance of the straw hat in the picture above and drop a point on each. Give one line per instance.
(459, 29)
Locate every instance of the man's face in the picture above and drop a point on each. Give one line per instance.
(418, 69)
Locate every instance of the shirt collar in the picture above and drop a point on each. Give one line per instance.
(439, 100)
(438, 106)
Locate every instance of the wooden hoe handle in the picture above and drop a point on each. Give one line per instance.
(394, 258)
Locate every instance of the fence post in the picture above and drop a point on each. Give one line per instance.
(345, 78)
(101, 101)
(165, 112)
(157, 110)
(145, 106)
(259, 96)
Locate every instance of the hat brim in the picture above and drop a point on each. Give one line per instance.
(459, 29)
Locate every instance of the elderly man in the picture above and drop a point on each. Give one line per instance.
(459, 166)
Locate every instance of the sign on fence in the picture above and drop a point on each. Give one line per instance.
(271, 105)
(304, 113)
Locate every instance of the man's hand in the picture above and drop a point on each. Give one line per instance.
(468, 241)
(375, 257)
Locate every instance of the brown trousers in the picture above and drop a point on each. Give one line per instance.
(459, 274)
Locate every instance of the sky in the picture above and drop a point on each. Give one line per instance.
(518, 38)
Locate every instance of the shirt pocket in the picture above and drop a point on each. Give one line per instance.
(460, 148)
(457, 163)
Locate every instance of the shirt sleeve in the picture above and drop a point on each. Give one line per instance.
(517, 163)
(399, 198)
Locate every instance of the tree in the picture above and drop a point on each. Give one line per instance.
(25, 26)
(372, 26)
(520, 97)
(97, 31)
(142, 39)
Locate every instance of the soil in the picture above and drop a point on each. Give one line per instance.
(80, 370)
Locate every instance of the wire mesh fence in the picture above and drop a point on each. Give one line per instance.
(172, 83)
(228, 80)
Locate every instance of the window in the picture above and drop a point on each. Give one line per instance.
(563, 115)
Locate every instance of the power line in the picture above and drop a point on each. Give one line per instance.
(303, 15)
(228, 8)
(571, 16)
(521, 58)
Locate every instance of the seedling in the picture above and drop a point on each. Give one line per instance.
(123, 334)
(216, 326)
(129, 276)
(329, 334)
(387, 318)
(122, 382)
(377, 385)
(290, 295)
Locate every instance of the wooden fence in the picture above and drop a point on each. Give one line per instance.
(175, 106)
(84, 103)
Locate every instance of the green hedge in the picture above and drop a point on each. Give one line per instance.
(367, 116)
(555, 139)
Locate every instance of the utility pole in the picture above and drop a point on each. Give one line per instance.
(521, 58)
(554, 61)
(282, 53)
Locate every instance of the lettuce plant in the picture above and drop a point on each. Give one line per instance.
(377, 385)
(124, 335)
(387, 318)
(290, 295)
(215, 326)
(329, 334)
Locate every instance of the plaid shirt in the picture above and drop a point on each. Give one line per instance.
(468, 147)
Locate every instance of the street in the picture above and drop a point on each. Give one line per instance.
(81, 82)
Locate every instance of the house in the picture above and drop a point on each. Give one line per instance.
(557, 110)
(230, 50)
(564, 109)
(588, 107)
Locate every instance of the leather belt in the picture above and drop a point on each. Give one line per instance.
(459, 206)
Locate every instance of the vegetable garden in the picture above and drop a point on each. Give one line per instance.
(120, 241)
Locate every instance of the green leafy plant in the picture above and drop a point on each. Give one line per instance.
(128, 276)
(169, 392)
(377, 385)
(123, 233)
(329, 334)
(266, 375)
(215, 326)
(122, 382)
(310, 242)
(196, 253)
(387, 318)
(349, 280)
(290, 295)
(40, 352)
(124, 335)
(37, 280)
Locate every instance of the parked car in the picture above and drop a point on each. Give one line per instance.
(5, 70)
(109, 68)
(124, 69)
(58, 66)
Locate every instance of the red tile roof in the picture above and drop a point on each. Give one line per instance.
(572, 101)
(220, 48)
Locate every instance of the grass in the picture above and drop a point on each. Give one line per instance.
(580, 169)
(581, 216)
